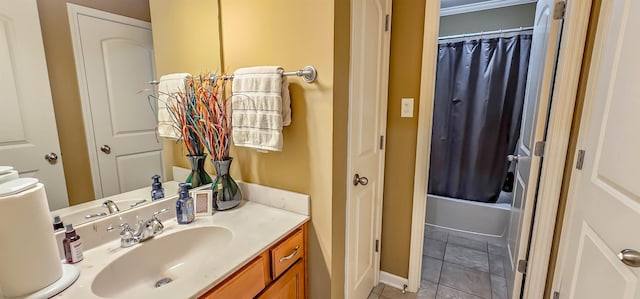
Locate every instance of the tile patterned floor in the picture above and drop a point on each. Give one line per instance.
(455, 267)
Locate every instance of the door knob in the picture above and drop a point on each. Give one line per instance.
(512, 158)
(106, 149)
(630, 257)
(357, 179)
(51, 157)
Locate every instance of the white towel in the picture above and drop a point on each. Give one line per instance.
(261, 106)
(168, 85)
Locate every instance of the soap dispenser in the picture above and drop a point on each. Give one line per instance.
(185, 210)
(72, 245)
(157, 191)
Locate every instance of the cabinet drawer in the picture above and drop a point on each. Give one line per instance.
(287, 253)
(246, 283)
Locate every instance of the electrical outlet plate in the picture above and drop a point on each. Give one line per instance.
(407, 107)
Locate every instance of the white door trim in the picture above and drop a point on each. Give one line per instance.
(574, 34)
(559, 127)
(576, 174)
(74, 11)
(423, 142)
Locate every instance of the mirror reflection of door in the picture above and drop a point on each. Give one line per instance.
(115, 63)
(28, 132)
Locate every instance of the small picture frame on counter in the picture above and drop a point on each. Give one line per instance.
(202, 202)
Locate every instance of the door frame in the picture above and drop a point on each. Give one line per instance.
(73, 11)
(569, 62)
(581, 139)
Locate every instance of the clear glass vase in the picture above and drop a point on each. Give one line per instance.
(198, 175)
(225, 191)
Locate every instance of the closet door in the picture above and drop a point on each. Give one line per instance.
(115, 63)
(28, 133)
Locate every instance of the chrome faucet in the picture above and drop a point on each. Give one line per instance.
(145, 230)
(111, 206)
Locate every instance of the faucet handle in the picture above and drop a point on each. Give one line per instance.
(125, 227)
(127, 237)
(156, 225)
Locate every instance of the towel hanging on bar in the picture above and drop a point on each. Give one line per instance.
(260, 107)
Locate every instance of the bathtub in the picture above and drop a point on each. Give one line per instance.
(488, 220)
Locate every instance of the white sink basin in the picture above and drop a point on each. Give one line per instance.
(78, 217)
(171, 258)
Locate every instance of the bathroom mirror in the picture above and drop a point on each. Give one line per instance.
(99, 58)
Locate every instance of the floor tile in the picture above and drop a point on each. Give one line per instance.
(496, 265)
(445, 292)
(378, 289)
(431, 269)
(466, 279)
(427, 290)
(497, 249)
(373, 295)
(435, 233)
(498, 287)
(467, 242)
(467, 257)
(434, 248)
(392, 293)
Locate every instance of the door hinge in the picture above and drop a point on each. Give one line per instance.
(387, 22)
(538, 149)
(381, 142)
(556, 295)
(377, 245)
(559, 10)
(580, 160)
(522, 266)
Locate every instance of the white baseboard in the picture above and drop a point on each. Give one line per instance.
(393, 280)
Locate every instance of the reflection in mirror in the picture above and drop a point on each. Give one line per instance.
(74, 115)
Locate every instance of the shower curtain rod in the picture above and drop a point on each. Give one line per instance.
(485, 33)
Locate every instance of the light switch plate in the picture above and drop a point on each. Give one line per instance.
(407, 107)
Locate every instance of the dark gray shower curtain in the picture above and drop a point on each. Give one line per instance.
(480, 86)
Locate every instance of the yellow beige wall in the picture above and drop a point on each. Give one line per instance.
(341, 48)
(186, 38)
(404, 82)
(267, 33)
(56, 36)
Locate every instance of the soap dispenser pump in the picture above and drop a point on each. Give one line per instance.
(157, 191)
(185, 210)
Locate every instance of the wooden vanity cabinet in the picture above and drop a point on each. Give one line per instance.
(277, 273)
(289, 285)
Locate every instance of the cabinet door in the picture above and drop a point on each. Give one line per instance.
(289, 286)
(245, 283)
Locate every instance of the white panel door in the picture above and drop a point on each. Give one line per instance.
(370, 45)
(117, 63)
(27, 122)
(534, 119)
(604, 213)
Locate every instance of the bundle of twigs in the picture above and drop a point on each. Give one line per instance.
(200, 115)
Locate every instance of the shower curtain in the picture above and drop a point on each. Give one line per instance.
(480, 86)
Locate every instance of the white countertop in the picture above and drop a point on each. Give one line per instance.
(255, 227)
